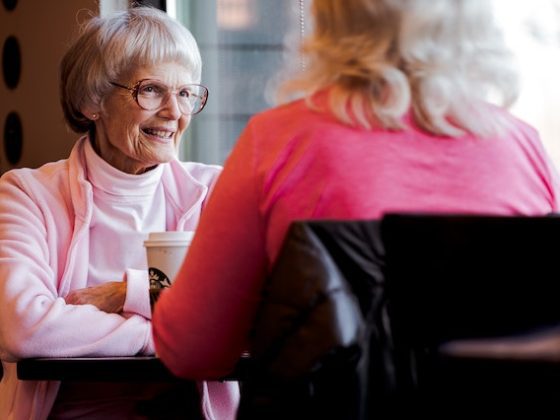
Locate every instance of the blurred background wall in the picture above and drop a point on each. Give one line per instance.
(34, 35)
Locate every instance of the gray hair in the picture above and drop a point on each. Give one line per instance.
(109, 48)
(441, 59)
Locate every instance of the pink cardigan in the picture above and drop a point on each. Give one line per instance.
(293, 163)
(44, 236)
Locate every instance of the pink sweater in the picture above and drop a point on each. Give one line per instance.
(45, 217)
(292, 163)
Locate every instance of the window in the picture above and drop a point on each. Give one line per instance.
(532, 29)
(242, 43)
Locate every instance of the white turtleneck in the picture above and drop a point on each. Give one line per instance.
(125, 209)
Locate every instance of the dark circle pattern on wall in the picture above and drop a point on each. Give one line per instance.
(10, 4)
(11, 62)
(13, 138)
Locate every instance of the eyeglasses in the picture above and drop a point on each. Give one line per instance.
(152, 94)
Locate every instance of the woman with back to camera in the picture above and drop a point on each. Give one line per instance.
(71, 230)
(394, 118)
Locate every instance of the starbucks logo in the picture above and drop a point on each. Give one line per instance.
(158, 279)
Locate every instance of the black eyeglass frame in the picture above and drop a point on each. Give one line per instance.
(135, 88)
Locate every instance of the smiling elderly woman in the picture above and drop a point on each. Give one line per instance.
(73, 278)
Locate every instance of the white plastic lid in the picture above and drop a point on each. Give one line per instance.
(171, 238)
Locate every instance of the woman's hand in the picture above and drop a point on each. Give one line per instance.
(108, 297)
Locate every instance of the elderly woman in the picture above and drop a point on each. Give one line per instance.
(395, 118)
(73, 278)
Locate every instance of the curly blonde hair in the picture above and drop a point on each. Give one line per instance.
(440, 59)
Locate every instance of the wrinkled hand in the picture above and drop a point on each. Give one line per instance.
(108, 297)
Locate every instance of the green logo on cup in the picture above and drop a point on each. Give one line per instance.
(158, 279)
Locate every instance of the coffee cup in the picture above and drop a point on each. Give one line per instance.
(165, 252)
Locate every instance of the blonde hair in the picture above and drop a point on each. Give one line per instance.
(109, 48)
(441, 59)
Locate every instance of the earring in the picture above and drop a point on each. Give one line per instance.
(93, 116)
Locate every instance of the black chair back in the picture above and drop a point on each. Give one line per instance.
(355, 313)
(456, 277)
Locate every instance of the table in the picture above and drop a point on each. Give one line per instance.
(99, 369)
(133, 368)
(179, 401)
